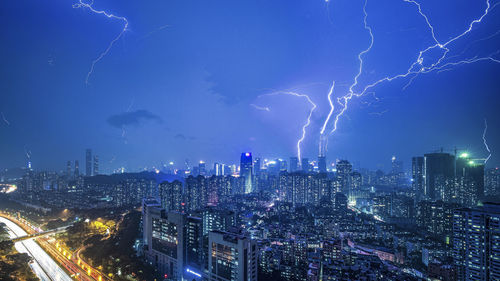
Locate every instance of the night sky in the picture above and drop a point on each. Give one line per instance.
(181, 81)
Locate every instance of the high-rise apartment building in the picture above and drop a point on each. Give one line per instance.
(171, 195)
(232, 256)
(476, 240)
(344, 170)
(417, 177)
(439, 171)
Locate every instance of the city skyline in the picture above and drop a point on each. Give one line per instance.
(257, 140)
(158, 95)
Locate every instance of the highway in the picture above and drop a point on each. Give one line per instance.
(43, 265)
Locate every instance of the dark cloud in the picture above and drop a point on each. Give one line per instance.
(132, 118)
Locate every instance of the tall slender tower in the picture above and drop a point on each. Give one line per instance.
(88, 162)
(77, 169)
(322, 153)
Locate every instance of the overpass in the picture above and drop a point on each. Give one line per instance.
(43, 233)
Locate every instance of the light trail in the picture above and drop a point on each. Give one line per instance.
(485, 142)
(417, 67)
(308, 122)
(82, 4)
(44, 266)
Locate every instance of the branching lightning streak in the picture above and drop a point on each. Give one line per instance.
(81, 4)
(308, 122)
(351, 93)
(485, 142)
(416, 67)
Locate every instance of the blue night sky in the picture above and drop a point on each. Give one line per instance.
(180, 82)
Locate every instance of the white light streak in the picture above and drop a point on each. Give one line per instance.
(417, 67)
(82, 4)
(308, 121)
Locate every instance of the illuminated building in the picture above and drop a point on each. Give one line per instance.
(417, 177)
(217, 219)
(439, 169)
(476, 240)
(344, 170)
(166, 242)
(469, 181)
(171, 195)
(202, 168)
(246, 164)
(232, 256)
(148, 204)
(492, 182)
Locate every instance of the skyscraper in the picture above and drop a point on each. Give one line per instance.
(96, 165)
(469, 185)
(68, 169)
(77, 169)
(257, 166)
(306, 166)
(322, 164)
(344, 170)
(417, 177)
(246, 170)
(294, 164)
(202, 168)
(492, 182)
(439, 172)
(88, 162)
(476, 236)
(232, 256)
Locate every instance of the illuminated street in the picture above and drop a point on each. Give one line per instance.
(43, 265)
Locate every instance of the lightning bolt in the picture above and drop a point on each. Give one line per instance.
(343, 101)
(484, 141)
(417, 67)
(308, 121)
(82, 4)
(332, 107)
(5, 119)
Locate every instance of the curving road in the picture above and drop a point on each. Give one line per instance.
(43, 265)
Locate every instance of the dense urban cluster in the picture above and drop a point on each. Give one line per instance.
(301, 220)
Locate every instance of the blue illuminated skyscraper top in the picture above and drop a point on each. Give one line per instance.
(246, 164)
